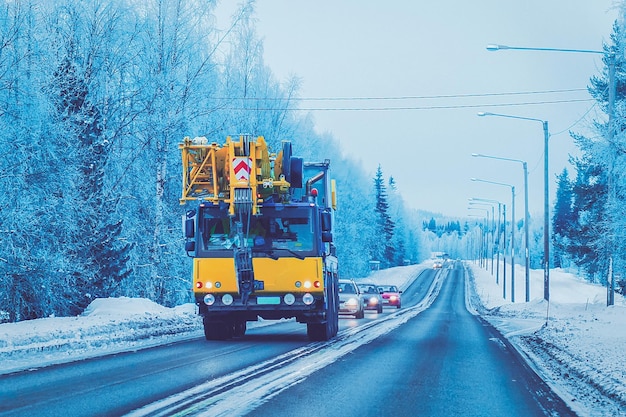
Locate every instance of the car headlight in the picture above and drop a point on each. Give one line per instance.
(352, 302)
(373, 300)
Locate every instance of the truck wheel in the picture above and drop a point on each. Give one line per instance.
(217, 330)
(239, 328)
(319, 332)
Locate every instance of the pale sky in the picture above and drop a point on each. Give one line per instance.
(414, 48)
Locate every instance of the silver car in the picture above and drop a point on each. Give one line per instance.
(350, 302)
(372, 300)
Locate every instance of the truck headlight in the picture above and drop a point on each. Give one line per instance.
(209, 299)
(289, 299)
(308, 299)
(227, 299)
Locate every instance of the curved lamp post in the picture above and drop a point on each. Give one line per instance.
(546, 199)
(611, 107)
(526, 216)
(486, 232)
(491, 228)
(512, 230)
(497, 241)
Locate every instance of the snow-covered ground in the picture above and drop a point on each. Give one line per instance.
(576, 343)
(114, 325)
(581, 351)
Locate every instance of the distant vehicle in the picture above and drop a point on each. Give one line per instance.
(390, 295)
(438, 263)
(349, 299)
(372, 299)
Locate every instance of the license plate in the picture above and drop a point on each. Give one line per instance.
(268, 300)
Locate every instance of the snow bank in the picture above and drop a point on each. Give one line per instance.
(123, 306)
(112, 325)
(400, 276)
(575, 342)
(107, 326)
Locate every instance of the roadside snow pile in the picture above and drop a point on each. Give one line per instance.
(575, 342)
(113, 325)
(107, 326)
(123, 306)
(400, 276)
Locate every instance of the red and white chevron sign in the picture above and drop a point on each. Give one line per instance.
(242, 168)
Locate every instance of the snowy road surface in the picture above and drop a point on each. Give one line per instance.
(119, 383)
(434, 358)
(444, 362)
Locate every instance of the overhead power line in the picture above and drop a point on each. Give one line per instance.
(398, 108)
(425, 97)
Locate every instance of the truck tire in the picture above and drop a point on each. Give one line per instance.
(319, 332)
(239, 328)
(217, 330)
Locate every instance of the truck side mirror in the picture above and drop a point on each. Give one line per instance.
(190, 246)
(326, 222)
(190, 228)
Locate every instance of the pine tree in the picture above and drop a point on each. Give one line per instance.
(600, 186)
(399, 235)
(384, 249)
(100, 259)
(586, 237)
(563, 218)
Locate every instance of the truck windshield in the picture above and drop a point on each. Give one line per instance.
(290, 229)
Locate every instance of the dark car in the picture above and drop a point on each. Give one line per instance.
(370, 296)
(391, 295)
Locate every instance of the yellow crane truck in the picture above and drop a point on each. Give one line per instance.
(260, 235)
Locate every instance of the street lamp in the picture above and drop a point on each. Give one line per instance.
(526, 216)
(486, 233)
(479, 251)
(611, 107)
(495, 47)
(546, 199)
(512, 231)
(501, 206)
(491, 229)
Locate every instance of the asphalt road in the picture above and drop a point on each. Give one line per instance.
(117, 384)
(442, 362)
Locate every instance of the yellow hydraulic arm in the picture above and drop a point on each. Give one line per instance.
(239, 173)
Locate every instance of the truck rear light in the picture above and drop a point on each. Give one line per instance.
(308, 299)
(198, 284)
(307, 284)
(317, 284)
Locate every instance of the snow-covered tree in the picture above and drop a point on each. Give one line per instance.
(382, 246)
(600, 186)
(562, 219)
